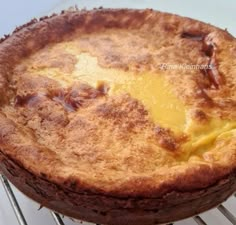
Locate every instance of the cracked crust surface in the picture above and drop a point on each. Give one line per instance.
(86, 141)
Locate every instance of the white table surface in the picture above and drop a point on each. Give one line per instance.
(17, 12)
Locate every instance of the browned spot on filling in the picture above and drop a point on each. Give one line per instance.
(212, 73)
(103, 87)
(193, 36)
(200, 116)
(71, 98)
(167, 139)
(209, 48)
(29, 99)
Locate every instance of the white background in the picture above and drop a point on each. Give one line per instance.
(16, 12)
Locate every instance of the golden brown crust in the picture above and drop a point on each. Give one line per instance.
(39, 117)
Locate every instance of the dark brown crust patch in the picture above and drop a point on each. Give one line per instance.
(168, 140)
(213, 74)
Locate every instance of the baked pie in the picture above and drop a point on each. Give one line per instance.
(119, 116)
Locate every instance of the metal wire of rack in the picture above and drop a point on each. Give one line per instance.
(58, 218)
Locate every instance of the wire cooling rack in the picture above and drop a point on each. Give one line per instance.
(59, 219)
